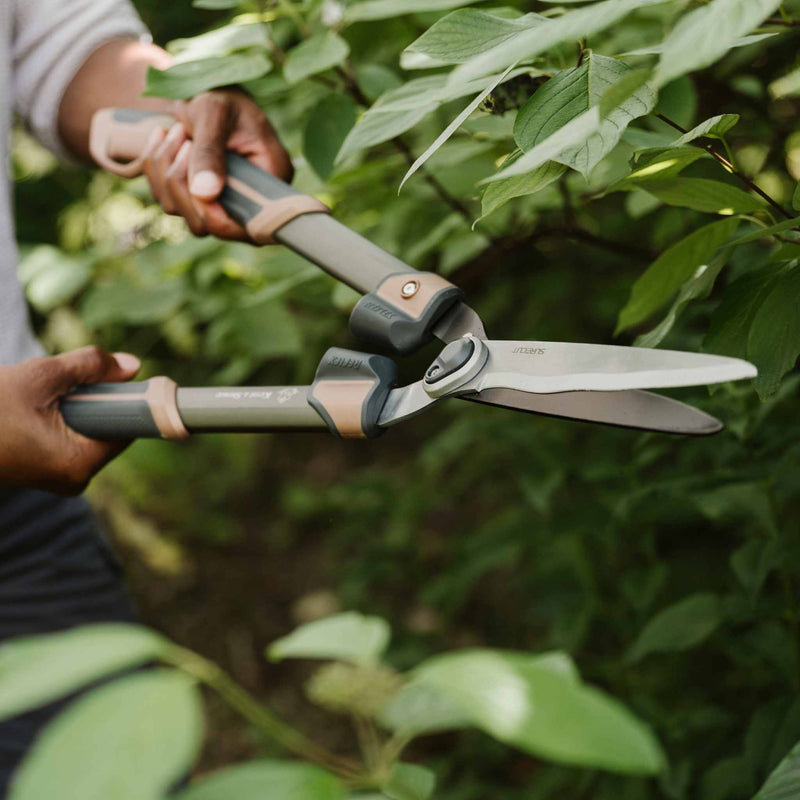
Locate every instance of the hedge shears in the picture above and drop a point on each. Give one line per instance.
(354, 394)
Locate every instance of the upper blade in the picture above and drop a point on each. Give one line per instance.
(550, 367)
(629, 409)
(457, 322)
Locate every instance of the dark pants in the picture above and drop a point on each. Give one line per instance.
(56, 572)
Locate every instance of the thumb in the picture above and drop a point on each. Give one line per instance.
(207, 157)
(93, 365)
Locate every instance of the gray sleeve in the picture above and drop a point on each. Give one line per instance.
(52, 40)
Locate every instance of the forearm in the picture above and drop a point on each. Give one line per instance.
(114, 75)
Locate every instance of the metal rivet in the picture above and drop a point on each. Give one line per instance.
(410, 289)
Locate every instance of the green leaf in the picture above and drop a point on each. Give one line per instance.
(786, 86)
(571, 93)
(705, 34)
(36, 670)
(347, 637)
(665, 276)
(52, 277)
(132, 739)
(753, 562)
(773, 344)
(538, 704)
(784, 781)
(266, 780)
(678, 627)
(220, 42)
(384, 9)
(330, 122)
(378, 126)
(454, 126)
(264, 330)
(417, 709)
(714, 127)
(410, 782)
(762, 233)
(730, 324)
(698, 287)
(215, 5)
(500, 192)
(658, 163)
(190, 78)
(317, 54)
(574, 133)
(796, 198)
(572, 26)
(126, 303)
(461, 35)
(702, 194)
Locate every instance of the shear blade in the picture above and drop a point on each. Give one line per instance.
(628, 409)
(556, 367)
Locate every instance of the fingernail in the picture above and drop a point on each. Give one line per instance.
(206, 184)
(175, 132)
(128, 362)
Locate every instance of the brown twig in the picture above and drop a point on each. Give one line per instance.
(732, 169)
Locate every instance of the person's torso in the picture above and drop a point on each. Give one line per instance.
(16, 340)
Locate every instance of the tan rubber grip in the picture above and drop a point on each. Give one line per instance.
(118, 146)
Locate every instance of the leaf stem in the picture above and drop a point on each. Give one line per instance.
(259, 715)
(732, 169)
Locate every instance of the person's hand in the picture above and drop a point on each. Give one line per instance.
(37, 448)
(186, 165)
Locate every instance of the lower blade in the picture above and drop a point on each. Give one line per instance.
(643, 411)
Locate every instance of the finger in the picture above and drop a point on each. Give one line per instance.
(148, 162)
(163, 157)
(256, 139)
(92, 365)
(178, 187)
(212, 122)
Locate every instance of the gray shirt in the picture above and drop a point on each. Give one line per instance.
(43, 43)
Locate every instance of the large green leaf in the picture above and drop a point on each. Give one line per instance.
(500, 192)
(131, 740)
(730, 324)
(462, 35)
(52, 277)
(714, 127)
(658, 163)
(38, 669)
(698, 287)
(784, 781)
(220, 42)
(679, 627)
(773, 344)
(348, 637)
(330, 122)
(267, 780)
(384, 9)
(753, 562)
(410, 782)
(317, 54)
(572, 26)
(571, 93)
(665, 276)
(190, 78)
(702, 194)
(705, 34)
(123, 302)
(538, 704)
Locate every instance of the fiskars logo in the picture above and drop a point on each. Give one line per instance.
(530, 351)
(346, 363)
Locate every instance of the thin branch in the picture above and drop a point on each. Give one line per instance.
(732, 169)
(786, 23)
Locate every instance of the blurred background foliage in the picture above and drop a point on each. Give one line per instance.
(468, 526)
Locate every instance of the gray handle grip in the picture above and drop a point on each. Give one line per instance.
(145, 410)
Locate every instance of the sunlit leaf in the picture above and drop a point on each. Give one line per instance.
(266, 780)
(347, 637)
(383, 9)
(500, 192)
(679, 627)
(317, 54)
(665, 276)
(707, 33)
(35, 670)
(570, 94)
(714, 127)
(190, 78)
(132, 739)
(538, 704)
(410, 782)
(220, 42)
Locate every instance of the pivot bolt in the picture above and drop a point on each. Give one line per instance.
(410, 289)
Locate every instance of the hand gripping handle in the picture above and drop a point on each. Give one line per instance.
(402, 305)
(142, 410)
